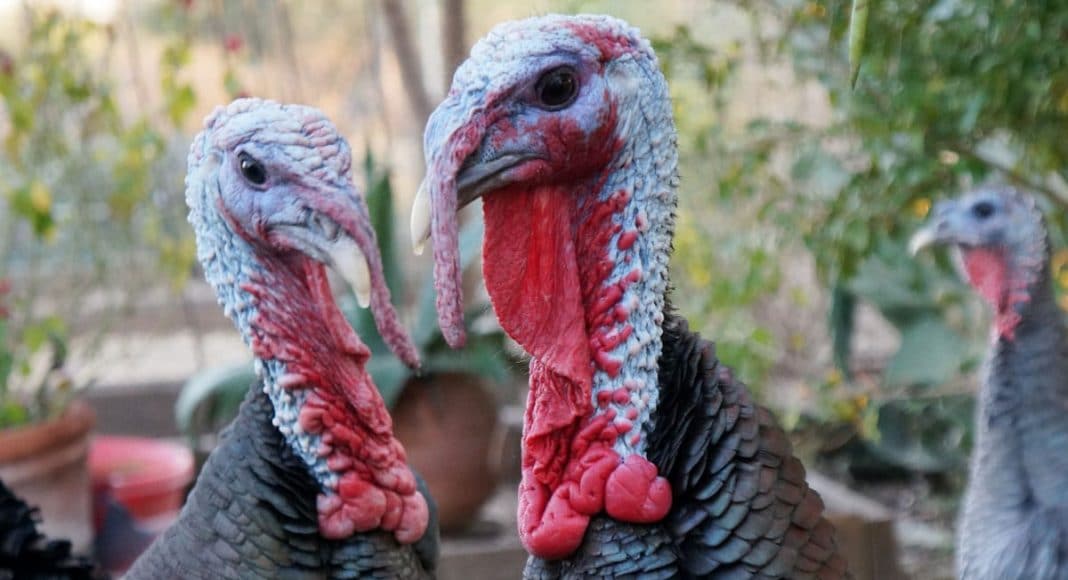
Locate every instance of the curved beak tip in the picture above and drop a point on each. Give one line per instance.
(922, 239)
(350, 262)
(420, 220)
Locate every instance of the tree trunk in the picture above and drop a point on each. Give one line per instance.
(411, 71)
(454, 27)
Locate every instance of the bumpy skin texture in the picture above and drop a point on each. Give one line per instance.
(1014, 522)
(310, 481)
(252, 514)
(638, 457)
(742, 506)
(624, 470)
(26, 554)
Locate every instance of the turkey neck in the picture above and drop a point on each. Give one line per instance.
(312, 369)
(1024, 405)
(588, 305)
(623, 245)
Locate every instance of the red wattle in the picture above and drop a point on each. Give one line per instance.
(571, 473)
(532, 273)
(990, 274)
(570, 470)
(322, 354)
(547, 262)
(635, 493)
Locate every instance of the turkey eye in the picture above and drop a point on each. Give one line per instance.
(983, 210)
(253, 170)
(557, 88)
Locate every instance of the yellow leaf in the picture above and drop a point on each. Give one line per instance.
(1063, 302)
(920, 207)
(1060, 260)
(40, 198)
(947, 157)
(1062, 278)
(834, 377)
(814, 10)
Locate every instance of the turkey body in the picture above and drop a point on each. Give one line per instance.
(26, 554)
(1014, 519)
(1014, 522)
(252, 514)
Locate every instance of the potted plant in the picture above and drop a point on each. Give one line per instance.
(85, 212)
(44, 429)
(446, 416)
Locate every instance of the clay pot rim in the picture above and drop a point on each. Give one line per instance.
(24, 441)
(171, 466)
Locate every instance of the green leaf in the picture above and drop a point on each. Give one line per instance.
(34, 336)
(930, 435)
(216, 392)
(843, 310)
(231, 83)
(180, 102)
(858, 30)
(12, 415)
(930, 354)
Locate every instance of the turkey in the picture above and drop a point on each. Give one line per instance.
(642, 454)
(1014, 520)
(27, 554)
(308, 481)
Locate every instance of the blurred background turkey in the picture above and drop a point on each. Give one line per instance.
(799, 189)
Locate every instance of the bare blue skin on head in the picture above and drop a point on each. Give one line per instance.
(308, 481)
(642, 455)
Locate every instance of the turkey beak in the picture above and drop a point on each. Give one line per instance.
(478, 177)
(473, 181)
(939, 229)
(923, 238)
(352, 250)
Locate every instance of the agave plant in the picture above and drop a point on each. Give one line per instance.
(209, 400)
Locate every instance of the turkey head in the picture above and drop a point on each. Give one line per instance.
(999, 239)
(562, 125)
(272, 201)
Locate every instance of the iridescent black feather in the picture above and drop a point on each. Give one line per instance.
(26, 554)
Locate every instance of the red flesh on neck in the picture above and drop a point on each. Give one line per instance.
(989, 272)
(545, 294)
(376, 489)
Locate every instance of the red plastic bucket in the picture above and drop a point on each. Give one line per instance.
(139, 485)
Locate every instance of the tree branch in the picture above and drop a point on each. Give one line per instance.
(411, 70)
(454, 27)
(1015, 175)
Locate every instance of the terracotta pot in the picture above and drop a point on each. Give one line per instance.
(46, 465)
(448, 424)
